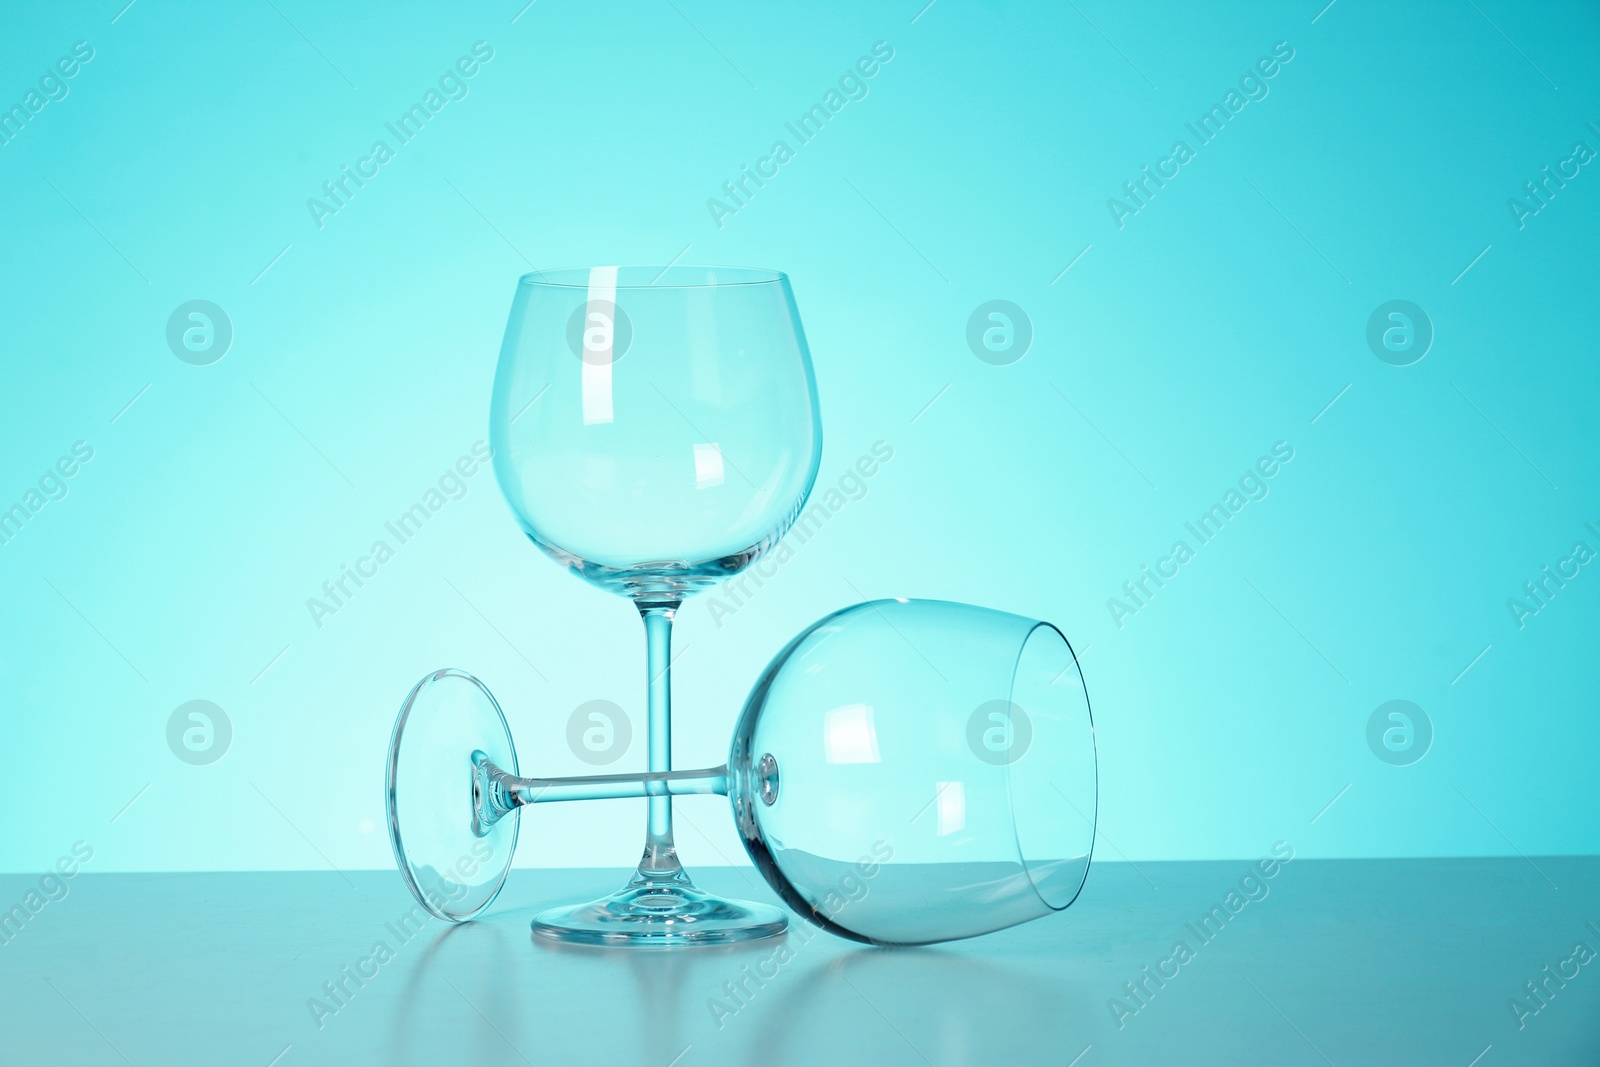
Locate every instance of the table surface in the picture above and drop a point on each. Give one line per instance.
(1341, 962)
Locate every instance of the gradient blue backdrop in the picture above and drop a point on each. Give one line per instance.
(1220, 319)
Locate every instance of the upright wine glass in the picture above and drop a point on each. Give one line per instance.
(655, 429)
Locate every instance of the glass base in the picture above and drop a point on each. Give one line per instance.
(661, 911)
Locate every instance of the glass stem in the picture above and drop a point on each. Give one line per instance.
(516, 792)
(497, 793)
(660, 859)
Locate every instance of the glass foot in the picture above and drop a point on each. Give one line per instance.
(661, 911)
(454, 864)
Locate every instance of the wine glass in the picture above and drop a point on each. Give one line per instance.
(655, 430)
(903, 772)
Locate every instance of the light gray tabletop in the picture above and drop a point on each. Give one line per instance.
(1409, 962)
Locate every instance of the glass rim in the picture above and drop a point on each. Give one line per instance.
(578, 277)
(1094, 750)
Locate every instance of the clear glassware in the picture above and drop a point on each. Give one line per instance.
(655, 429)
(904, 772)
(949, 746)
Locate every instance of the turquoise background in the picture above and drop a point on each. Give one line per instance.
(1219, 320)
